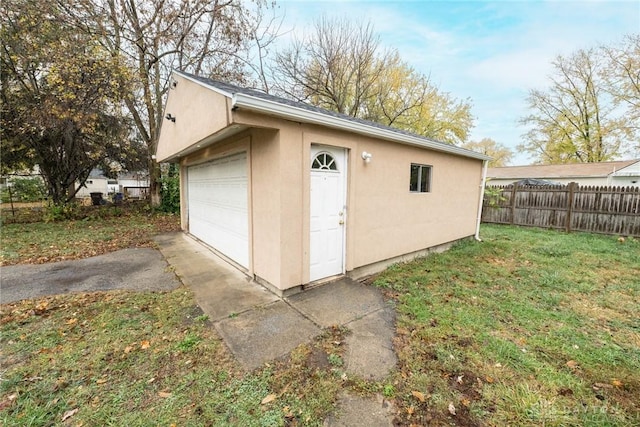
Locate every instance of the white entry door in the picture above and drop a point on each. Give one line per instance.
(328, 214)
(217, 205)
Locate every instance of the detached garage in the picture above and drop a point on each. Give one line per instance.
(292, 194)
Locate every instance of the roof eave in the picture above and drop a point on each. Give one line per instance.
(240, 100)
(204, 143)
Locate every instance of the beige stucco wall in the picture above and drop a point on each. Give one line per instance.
(265, 205)
(199, 113)
(384, 219)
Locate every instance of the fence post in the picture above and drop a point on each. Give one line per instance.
(514, 192)
(570, 197)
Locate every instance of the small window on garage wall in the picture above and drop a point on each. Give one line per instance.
(420, 178)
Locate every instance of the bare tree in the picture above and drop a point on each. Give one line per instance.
(334, 67)
(341, 66)
(152, 37)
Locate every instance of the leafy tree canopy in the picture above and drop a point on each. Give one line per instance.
(500, 154)
(589, 112)
(60, 94)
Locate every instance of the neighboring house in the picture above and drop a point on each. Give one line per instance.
(293, 194)
(97, 183)
(622, 173)
(136, 182)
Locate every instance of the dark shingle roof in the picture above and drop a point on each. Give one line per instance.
(233, 89)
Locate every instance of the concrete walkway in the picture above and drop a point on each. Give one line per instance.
(259, 327)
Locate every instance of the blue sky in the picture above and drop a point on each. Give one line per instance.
(492, 52)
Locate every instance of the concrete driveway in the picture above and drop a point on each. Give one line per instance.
(256, 325)
(141, 269)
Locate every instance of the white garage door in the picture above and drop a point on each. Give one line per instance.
(218, 214)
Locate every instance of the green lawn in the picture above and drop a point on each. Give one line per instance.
(529, 327)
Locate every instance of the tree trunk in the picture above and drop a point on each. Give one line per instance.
(154, 183)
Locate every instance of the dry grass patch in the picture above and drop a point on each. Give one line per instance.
(41, 242)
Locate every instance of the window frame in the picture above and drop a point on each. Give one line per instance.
(325, 166)
(424, 180)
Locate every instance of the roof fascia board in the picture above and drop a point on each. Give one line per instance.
(201, 83)
(240, 100)
(227, 132)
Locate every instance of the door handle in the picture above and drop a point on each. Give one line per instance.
(341, 222)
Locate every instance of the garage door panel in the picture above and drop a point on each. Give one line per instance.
(218, 214)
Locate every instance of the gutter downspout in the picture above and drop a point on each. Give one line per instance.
(480, 202)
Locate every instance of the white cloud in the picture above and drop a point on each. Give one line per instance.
(491, 52)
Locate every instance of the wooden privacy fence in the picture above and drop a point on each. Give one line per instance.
(606, 210)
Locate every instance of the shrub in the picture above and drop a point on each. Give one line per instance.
(170, 190)
(25, 190)
(60, 212)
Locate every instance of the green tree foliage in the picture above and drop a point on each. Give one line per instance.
(170, 189)
(342, 67)
(25, 190)
(59, 99)
(500, 154)
(579, 117)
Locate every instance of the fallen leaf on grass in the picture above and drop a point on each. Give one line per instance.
(128, 349)
(418, 395)
(72, 321)
(145, 345)
(599, 386)
(572, 364)
(41, 306)
(69, 414)
(288, 413)
(616, 383)
(8, 401)
(101, 381)
(164, 394)
(268, 399)
(452, 409)
(466, 402)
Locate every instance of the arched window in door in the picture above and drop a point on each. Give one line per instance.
(324, 161)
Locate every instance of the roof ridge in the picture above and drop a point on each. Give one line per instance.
(230, 89)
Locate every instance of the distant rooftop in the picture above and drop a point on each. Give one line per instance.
(569, 170)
